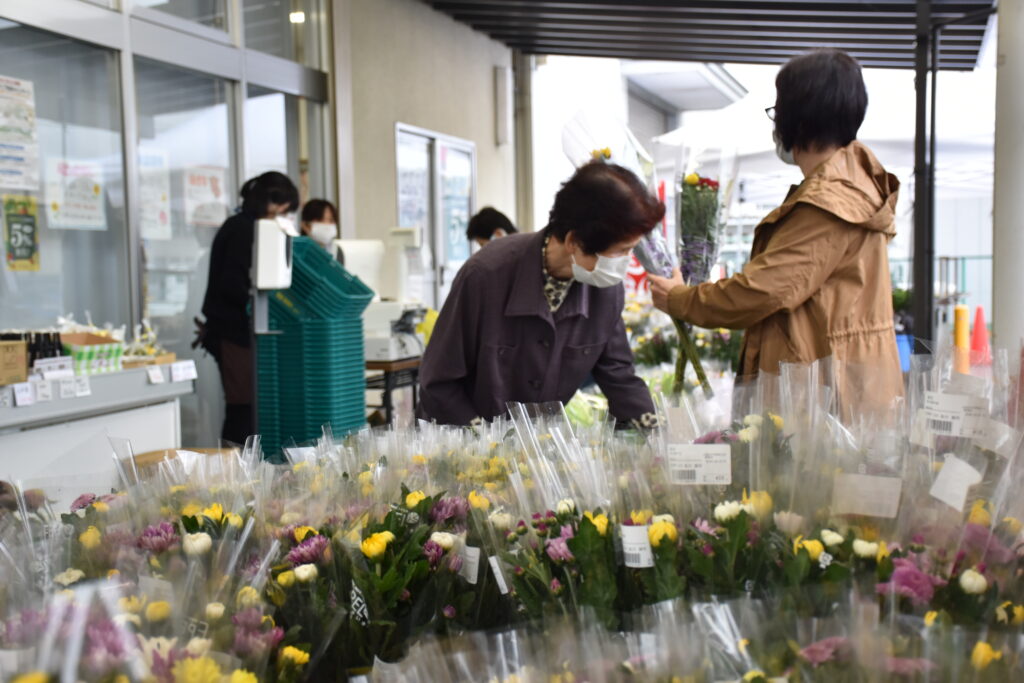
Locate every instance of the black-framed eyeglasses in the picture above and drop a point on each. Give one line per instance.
(770, 111)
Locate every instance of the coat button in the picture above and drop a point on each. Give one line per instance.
(535, 384)
(545, 343)
(586, 352)
(501, 352)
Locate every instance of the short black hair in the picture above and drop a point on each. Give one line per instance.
(270, 188)
(602, 205)
(486, 221)
(820, 100)
(314, 210)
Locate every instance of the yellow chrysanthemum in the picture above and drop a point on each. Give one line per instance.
(196, 670)
(90, 538)
(414, 498)
(158, 611)
(214, 513)
(641, 517)
(983, 655)
(293, 656)
(191, 510)
(478, 501)
(659, 531)
(303, 531)
(980, 513)
(286, 579)
(813, 547)
(100, 506)
(600, 521)
(930, 617)
(760, 501)
(375, 546)
(33, 677)
(243, 676)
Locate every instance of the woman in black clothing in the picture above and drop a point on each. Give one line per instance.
(227, 332)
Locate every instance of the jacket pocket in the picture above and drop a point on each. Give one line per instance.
(577, 363)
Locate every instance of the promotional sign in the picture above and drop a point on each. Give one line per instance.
(155, 194)
(21, 233)
(19, 147)
(74, 195)
(206, 202)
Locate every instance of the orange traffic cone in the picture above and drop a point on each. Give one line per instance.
(981, 353)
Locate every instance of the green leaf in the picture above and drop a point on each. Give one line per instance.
(190, 525)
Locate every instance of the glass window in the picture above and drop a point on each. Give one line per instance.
(290, 29)
(61, 182)
(188, 187)
(286, 133)
(211, 13)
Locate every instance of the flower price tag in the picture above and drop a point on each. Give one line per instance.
(499, 574)
(636, 547)
(954, 481)
(945, 413)
(24, 395)
(470, 564)
(386, 672)
(44, 391)
(693, 464)
(67, 388)
(155, 374)
(993, 435)
(83, 387)
(184, 371)
(868, 495)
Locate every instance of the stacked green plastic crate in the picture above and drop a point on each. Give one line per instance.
(314, 372)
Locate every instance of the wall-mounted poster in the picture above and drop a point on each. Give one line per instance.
(206, 201)
(19, 147)
(21, 233)
(155, 194)
(74, 195)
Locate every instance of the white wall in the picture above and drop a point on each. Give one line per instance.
(415, 65)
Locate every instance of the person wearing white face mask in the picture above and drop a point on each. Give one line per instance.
(320, 222)
(532, 316)
(817, 284)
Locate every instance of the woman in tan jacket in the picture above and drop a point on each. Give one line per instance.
(817, 284)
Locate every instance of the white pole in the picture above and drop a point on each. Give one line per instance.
(1008, 200)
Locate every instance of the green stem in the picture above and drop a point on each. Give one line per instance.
(688, 352)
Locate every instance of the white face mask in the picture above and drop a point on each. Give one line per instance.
(608, 272)
(324, 233)
(784, 154)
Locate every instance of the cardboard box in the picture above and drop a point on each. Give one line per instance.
(92, 353)
(128, 362)
(13, 362)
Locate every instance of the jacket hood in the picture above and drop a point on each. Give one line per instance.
(853, 186)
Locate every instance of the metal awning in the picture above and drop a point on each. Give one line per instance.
(879, 33)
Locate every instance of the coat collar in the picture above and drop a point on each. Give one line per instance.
(526, 297)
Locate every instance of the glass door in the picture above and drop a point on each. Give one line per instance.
(416, 210)
(455, 163)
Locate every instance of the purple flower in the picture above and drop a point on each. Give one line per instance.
(248, 620)
(454, 509)
(558, 550)
(26, 628)
(83, 501)
(556, 587)
(567, 532)
(707, 550)
(454, 563)
(702, 525)
(825, 650)
(904, 666)
(105, 648)
(449, 612)
(717, 437)
(310, 551)
(978, 539)
(433, 552)
(158, 538)
(910, 582)
(256, 644)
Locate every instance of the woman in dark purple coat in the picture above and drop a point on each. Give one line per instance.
(531, 316)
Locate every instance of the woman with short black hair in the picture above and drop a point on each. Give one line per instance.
(530, 317)
(226, 333)
(817, 284)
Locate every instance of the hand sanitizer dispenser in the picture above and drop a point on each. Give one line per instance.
(273, 258)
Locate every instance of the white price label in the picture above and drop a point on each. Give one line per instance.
(680, 424)
(83, 387)
(67, 388)
(44, 391)
(867, 495)
(470, 564)
(499, 574)
(636, 547)
(183, 371)
(954, 481)
(690, 464)
(155, 374)
(993, 435)
(945, 414)
(24, 395)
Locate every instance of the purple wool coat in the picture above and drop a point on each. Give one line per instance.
(497, 341)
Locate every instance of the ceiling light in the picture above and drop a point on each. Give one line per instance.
(297, 17)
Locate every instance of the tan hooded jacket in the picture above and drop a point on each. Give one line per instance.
(818, 283)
